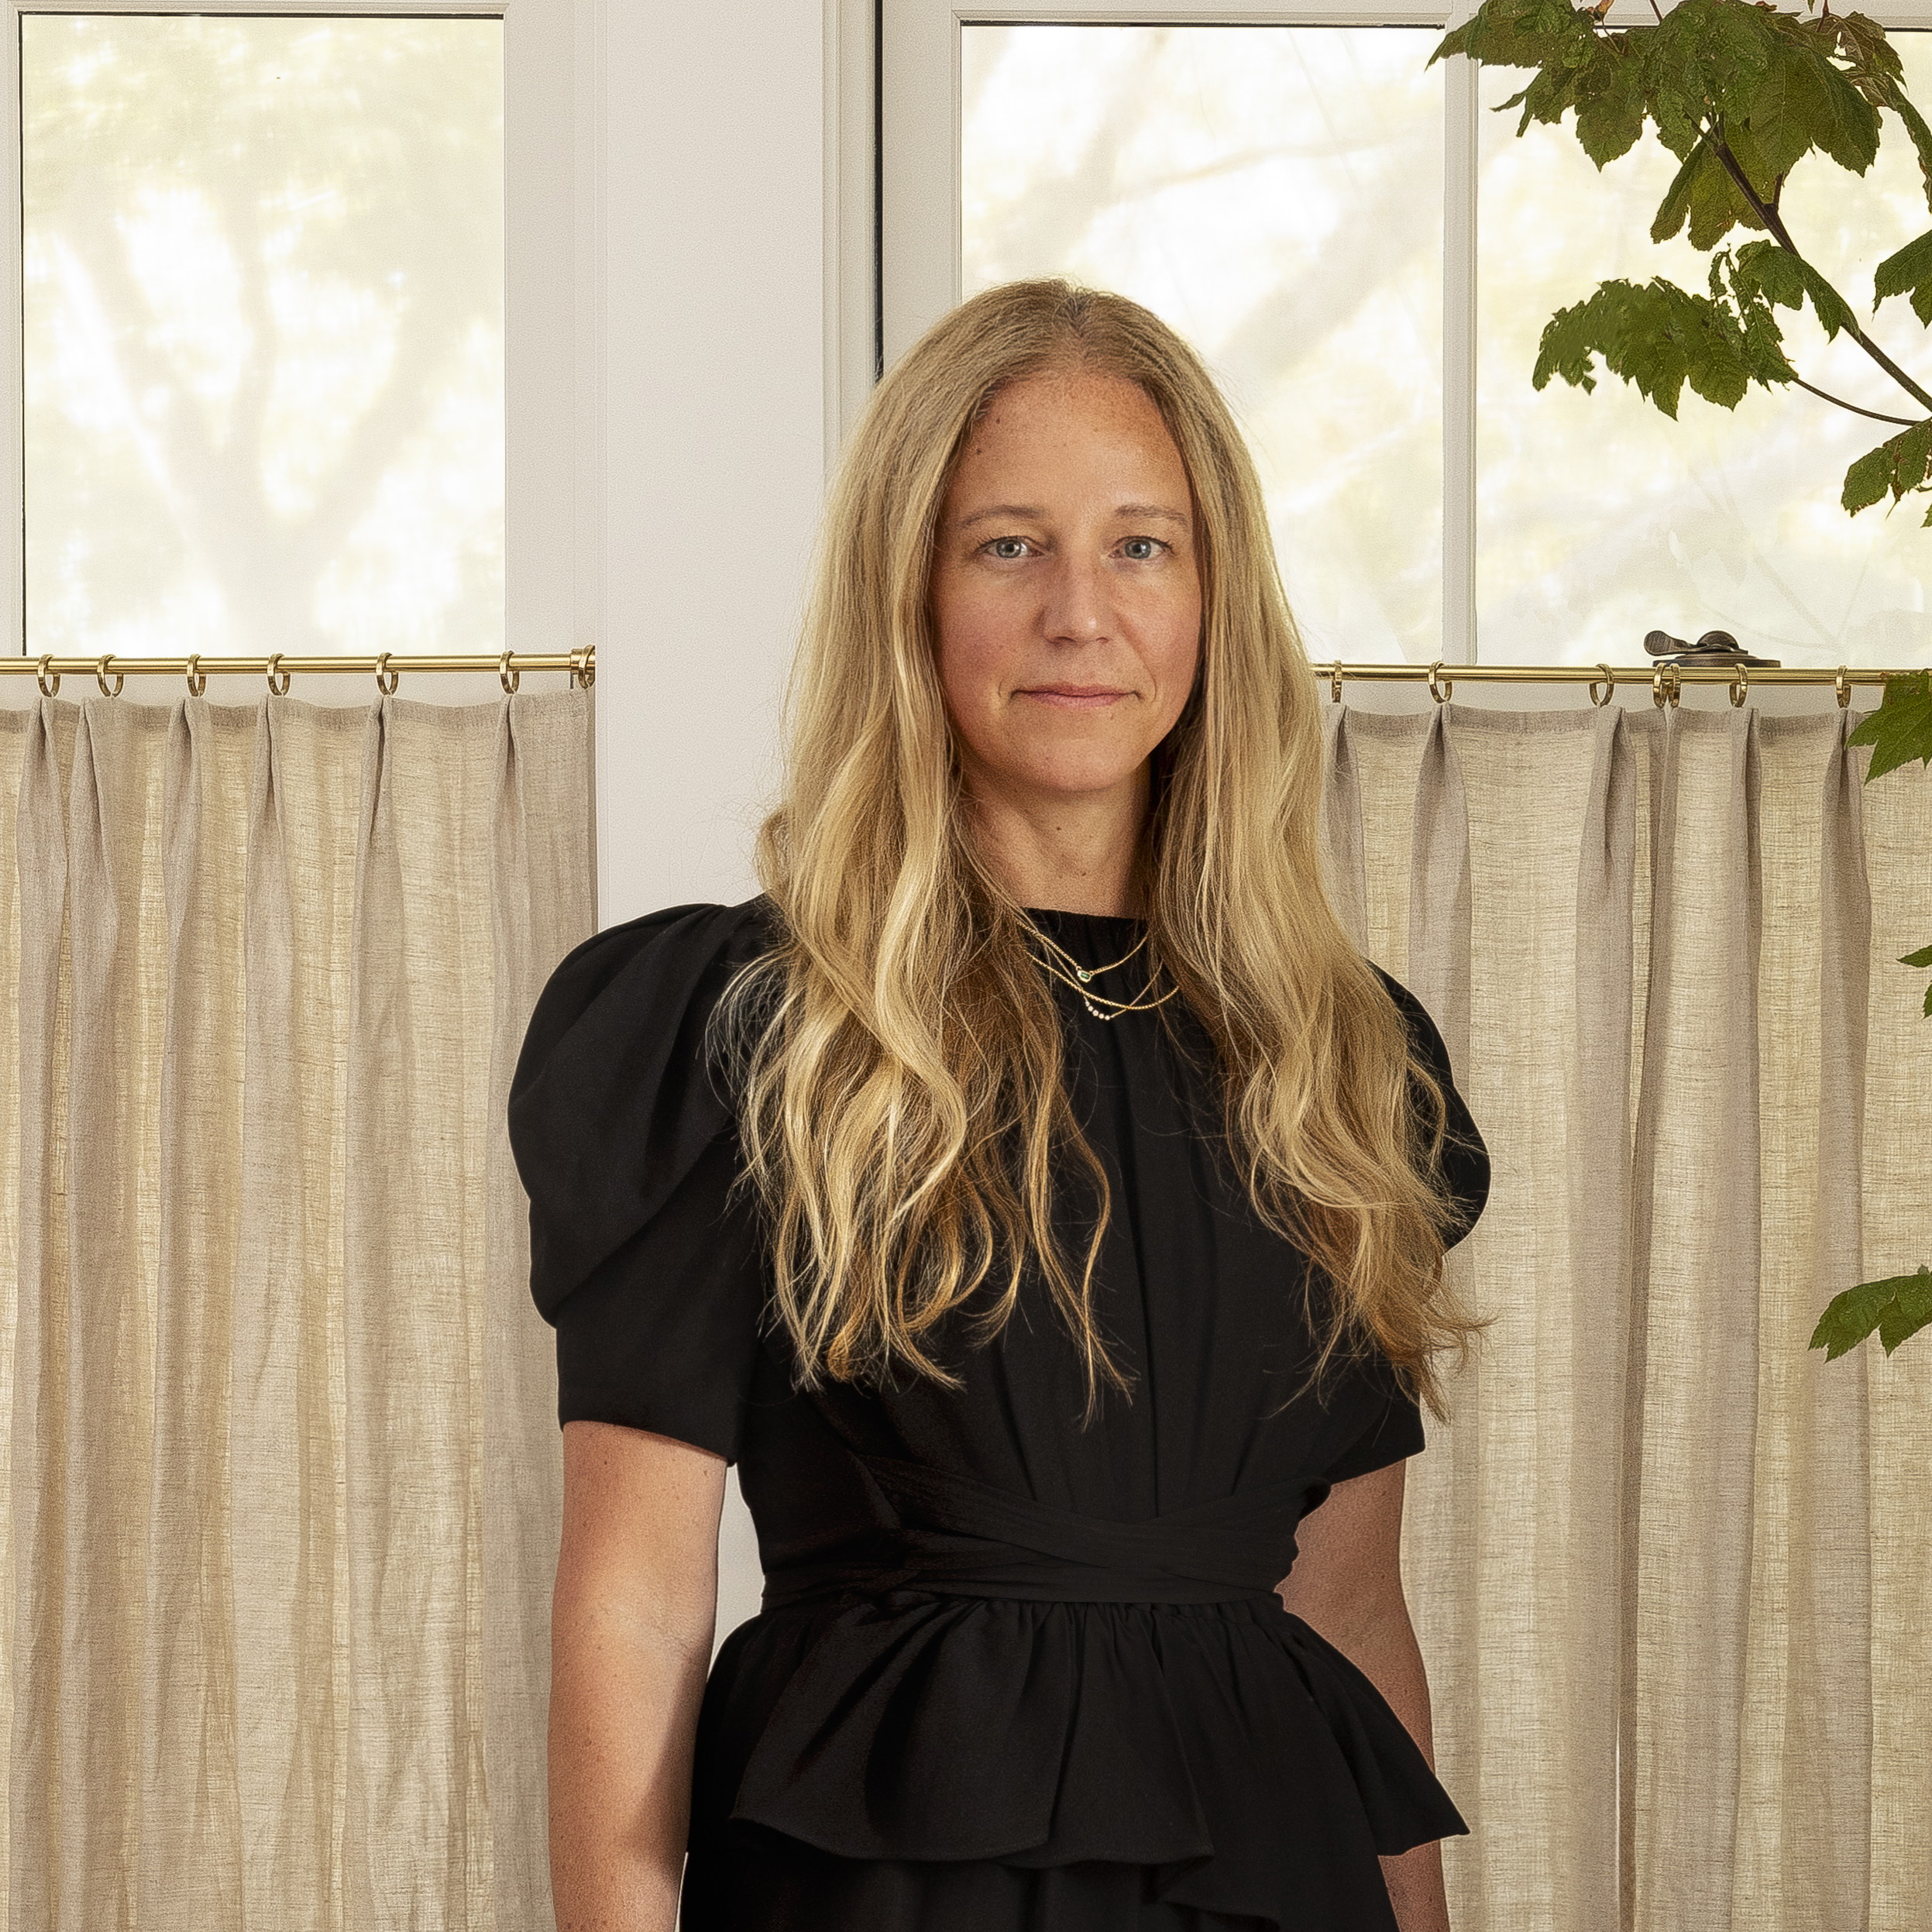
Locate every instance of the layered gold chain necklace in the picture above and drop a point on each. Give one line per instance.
(1069, 971)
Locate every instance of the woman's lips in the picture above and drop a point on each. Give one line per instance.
(1075, 697)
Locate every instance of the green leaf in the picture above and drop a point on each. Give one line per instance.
(1872, 63)
(1704, 195)
(1518, 33)
(1897, 1308)
(1901, 729)
(1915, 125)
(1674, 210)
(1609, 102)
(1909, 1311)
(1707, 58)
(1849, 1318)
(1897, 465)
(1844, 123)
(1780, 276)
(1907, 273)
(1658, 338)
(1922, 958)
(1789, 110)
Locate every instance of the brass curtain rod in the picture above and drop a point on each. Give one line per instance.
(280, 666)
(1665, 680)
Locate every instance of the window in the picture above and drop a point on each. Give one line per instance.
(1367, 258)
(357, 232)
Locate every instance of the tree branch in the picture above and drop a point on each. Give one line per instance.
(1774, 224)
(1907, 422)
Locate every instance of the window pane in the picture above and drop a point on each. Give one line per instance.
(1276, 193)
(1598, 518)
(263, 311)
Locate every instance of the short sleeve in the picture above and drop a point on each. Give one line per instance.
(650, 1274)
(1391, 1425)
(1384, 1422)
(1464, 1167)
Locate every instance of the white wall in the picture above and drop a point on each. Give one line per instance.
(714, 379)
(714, 366)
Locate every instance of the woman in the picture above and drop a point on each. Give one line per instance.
(1043, 1203)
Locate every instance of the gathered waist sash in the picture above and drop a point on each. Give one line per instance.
(957, 1536)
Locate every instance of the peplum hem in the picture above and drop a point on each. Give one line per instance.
(1226, 1749)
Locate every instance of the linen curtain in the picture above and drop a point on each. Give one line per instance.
(1670, 1568)
(279, 1467)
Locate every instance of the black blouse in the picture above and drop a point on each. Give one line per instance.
(989, 1635)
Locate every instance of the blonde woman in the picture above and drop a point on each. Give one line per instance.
(1041, 1200)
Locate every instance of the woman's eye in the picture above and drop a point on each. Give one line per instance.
(1142, 548)
(1008, 549)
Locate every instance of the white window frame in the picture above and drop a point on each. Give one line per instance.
(545, 441)
(920, 201)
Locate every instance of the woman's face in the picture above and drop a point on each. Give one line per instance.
(1066, 598)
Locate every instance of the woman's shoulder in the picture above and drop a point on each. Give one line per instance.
(642, 959)
(615, 1097)
(634, 987)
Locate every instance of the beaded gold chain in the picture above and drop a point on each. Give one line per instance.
(1080, 978)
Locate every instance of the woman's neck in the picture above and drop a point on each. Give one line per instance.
(1076, 853)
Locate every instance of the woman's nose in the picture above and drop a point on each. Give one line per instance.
(1077, 608)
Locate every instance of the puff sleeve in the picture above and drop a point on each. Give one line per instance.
(651, 1276)
(1392, 1428)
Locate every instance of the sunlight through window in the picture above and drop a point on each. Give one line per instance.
(263, 277)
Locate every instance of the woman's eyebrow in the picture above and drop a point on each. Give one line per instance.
(1025, 510)
(1020, 510)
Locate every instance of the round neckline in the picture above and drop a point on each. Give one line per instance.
(1091, 919)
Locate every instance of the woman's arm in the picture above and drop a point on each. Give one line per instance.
(631, 1625)
(1347, 1581)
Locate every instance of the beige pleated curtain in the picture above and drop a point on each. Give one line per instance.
(278, 1478)
(1673, 1572)
(278, 1459)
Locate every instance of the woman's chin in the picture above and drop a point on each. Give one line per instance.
(1073, 777)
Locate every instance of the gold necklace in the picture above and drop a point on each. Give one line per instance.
(1117, 1007)
(1106, 1009)
(1085, 974)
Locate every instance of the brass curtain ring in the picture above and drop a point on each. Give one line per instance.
(275, 671)
(100, 675)
(1842, 684)
(582, 672)
(507, 677)
(1665, 677)
(197, 677)
(1740, 684)
(1334, 682)
(1439, 687)
(1608, 683)
(387, 680)
(42, 675)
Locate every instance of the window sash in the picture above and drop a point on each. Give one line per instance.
(919, 195)
(542, 401)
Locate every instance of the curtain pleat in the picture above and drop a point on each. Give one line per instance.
(189, 1862)
(1667, 1564)
(282, 1455)
(543, 901)
(1893, 1205)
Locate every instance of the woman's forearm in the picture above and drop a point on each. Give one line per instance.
(1387, 1653)
(623, 1709)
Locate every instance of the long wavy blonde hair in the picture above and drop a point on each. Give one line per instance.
(904, 1116)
